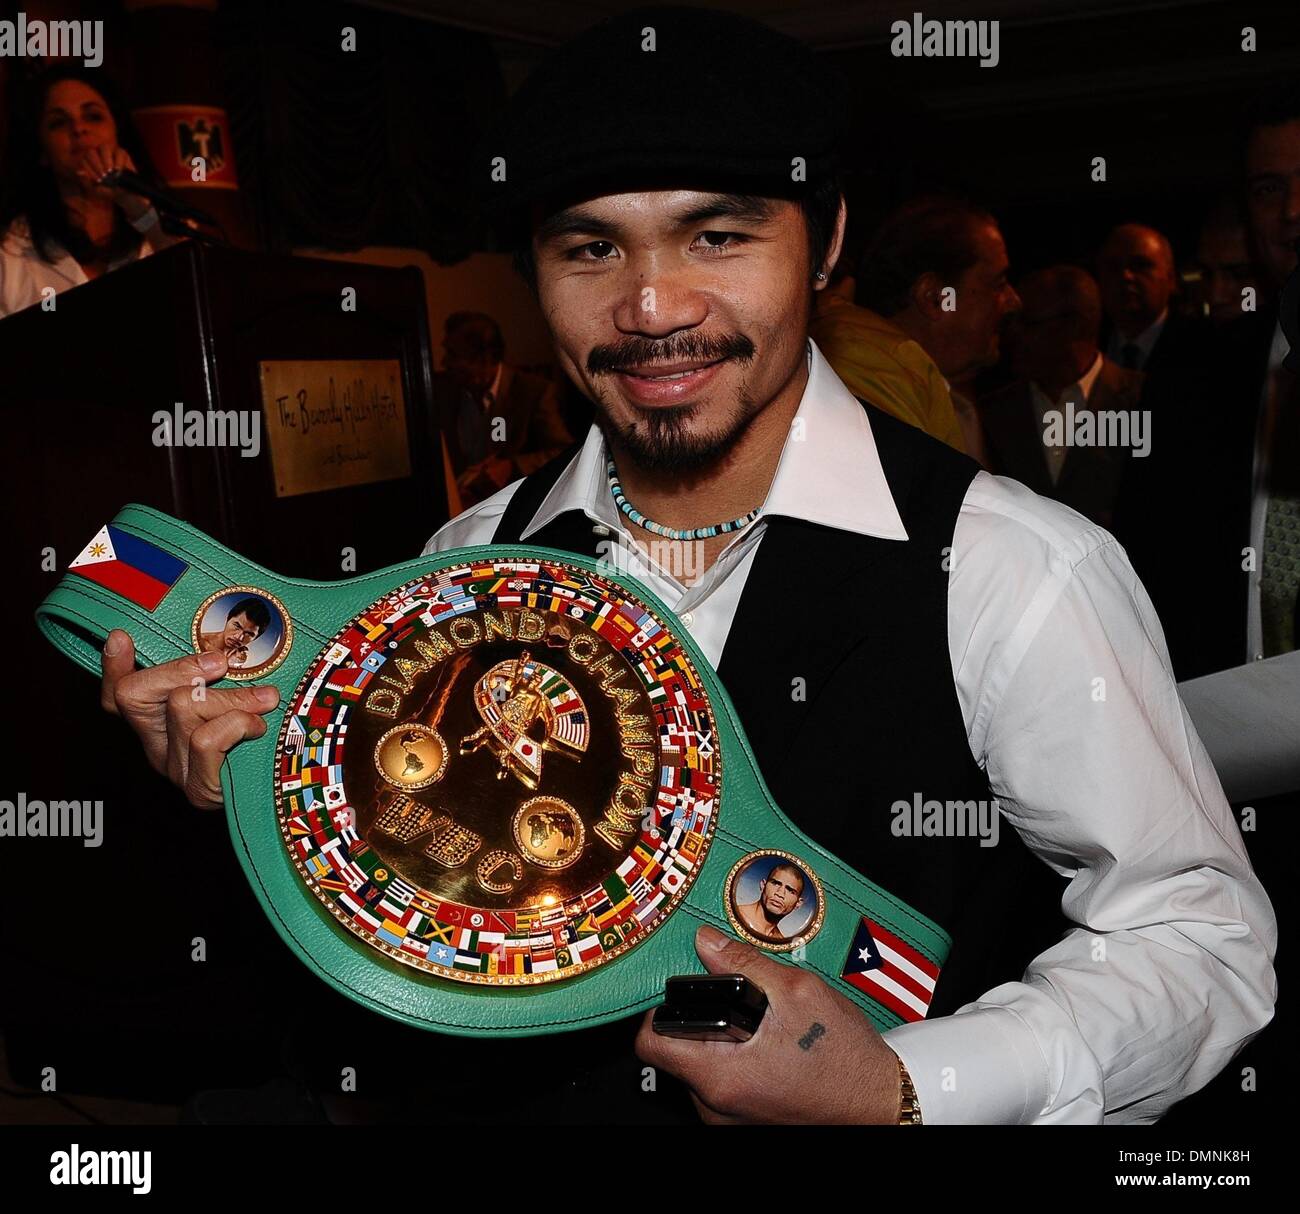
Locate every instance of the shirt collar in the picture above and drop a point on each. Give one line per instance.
(830, 443)
(1089, 377)
(1279, 348)
(1081, 387)
(495, 388)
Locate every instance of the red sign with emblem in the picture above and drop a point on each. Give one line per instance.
(182, 138)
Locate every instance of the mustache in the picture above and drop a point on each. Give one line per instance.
(637, 351)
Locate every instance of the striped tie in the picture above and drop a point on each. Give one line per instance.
(1280, 574)
(1279, 580)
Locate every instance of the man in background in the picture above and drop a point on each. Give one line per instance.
(1061, 373)
(931, 297)
(1219, 496)
(499, 423)
(1272, 166)
(1135, 270)
(1176, 353)
(1225, 264)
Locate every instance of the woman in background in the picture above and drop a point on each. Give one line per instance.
(60, 227)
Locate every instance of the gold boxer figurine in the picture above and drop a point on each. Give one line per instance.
(519, 705)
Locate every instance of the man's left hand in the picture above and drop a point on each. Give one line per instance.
(816, 1058)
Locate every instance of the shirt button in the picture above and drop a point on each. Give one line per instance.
(687, 618)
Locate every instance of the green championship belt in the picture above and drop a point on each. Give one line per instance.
(502, 789)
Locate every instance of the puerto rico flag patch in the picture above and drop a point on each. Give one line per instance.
(891, 972)
(129, 566)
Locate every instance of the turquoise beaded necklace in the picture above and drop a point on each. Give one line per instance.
(690, 533)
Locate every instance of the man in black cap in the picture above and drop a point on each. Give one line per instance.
(893, 625)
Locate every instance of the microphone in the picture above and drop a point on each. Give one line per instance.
(124, 179)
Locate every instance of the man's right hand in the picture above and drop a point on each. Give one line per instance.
(185, 726)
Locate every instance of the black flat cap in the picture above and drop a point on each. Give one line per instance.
(666, 97)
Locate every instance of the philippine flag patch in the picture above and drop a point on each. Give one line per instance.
(129, 566)
(893, 973)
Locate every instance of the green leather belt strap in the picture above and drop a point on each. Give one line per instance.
(155, 577)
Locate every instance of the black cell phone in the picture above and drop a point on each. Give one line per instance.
(710, 1007)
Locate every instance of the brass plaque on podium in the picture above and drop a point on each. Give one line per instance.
(334, 423)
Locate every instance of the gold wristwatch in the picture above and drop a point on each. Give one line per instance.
(909, 1110)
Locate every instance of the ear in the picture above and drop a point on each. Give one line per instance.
(835, 247)
(927, 296)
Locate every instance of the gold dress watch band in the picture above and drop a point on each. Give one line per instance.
(909, 1110)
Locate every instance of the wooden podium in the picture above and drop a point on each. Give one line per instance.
(193, 328)
(215, 331)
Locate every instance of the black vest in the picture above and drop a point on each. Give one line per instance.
(864, 622)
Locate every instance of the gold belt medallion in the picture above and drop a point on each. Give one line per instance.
(500, 773)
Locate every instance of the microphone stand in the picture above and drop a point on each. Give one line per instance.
(174, 225)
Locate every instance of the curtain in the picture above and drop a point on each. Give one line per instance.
(341, 149)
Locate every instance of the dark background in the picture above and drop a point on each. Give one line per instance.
(375, 157)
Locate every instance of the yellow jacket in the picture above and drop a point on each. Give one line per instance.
(881, 364)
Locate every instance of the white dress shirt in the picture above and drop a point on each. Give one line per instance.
(1045, 618)
(1077, 394)
(24, 273)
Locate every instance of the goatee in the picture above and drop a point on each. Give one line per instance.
(661, 440)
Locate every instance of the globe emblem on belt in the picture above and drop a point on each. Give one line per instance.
(411, 756)
(549, 831)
